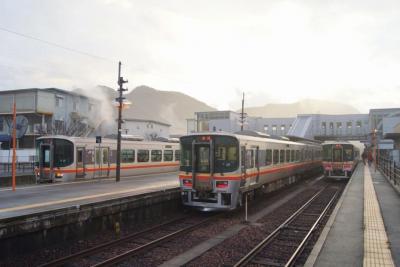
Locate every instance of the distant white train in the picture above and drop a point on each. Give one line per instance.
(218, 168)
(340, 158)
(62, 158)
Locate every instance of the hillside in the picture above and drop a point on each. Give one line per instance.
(307, 106)
(164, 106)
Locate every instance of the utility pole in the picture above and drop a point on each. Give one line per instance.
(14, 141)
(120, 100)
(242, 115)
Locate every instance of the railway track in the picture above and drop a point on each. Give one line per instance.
(283, 246)
(116, 251)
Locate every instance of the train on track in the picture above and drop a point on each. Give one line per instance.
(340, 158)
(218, 169)
(62, 158)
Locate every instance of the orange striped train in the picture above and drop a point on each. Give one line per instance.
(340, 158)
(62, 158)
(217, 169)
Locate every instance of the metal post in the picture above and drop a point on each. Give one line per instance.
(245, 208)
(14, 137)
(120, 99)
(242, 115)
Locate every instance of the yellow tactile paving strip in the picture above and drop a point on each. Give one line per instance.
(376, 243)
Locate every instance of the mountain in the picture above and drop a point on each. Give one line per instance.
(307, 106)
(151, 104)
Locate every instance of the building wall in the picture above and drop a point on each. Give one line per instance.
(146, 129)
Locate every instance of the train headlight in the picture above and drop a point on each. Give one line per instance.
(59, 175)
(221, 184)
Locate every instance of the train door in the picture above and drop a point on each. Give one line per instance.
(102, 163)
(202, 164)
(80, 162)
(257, 162)
(250, 165)
(46, 162)
(243, 169)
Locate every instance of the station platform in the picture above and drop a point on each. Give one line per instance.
(28, 200)
(363, 229)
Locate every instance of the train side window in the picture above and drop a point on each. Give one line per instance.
(262, 154)
(142, 155)
(268, 157)
(282, 156)
(168, 155)
(287, 153)
(297, 155)
(128, 156)
(156, 155)
(276, 156)
(292, 155)
(177, 155)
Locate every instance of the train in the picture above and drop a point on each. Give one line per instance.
(62, 158)
(340, 158)
(218, 169)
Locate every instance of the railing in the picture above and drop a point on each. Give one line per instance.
(24, 165)
(390, 169)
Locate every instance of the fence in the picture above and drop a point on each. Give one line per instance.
(390, 169)
(24, 165)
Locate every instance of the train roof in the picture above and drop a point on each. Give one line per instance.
(251, 137)
(337, 143)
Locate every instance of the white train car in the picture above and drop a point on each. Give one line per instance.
(218, 168)
(62, 158)
(340, 158)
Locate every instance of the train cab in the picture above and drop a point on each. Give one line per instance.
(339, 159)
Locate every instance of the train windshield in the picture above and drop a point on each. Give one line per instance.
(327, 152)
(348, 153)
(222, 152)
(55, 152)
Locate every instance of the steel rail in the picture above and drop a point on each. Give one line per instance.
(109, 244)
(249, 256)
(300, 248)
(129, 253)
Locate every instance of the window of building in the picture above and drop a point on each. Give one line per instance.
(59, 101)
(142, 155)
(156, 155)
(1, 124)
(74, 106)
(127, 155)
(323, 125)
(283, 128)
(331, 125)
(168, 155)
(339, 125)
(349, 124)
(274, 127)
(90, 107)
(265, 128)
(358, 124)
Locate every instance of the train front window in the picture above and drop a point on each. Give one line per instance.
(63, 152)
(327, 153)
(226, 154)
(347, 153)
(186, 154)
(337, 155)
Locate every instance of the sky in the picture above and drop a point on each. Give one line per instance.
(274, 51)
